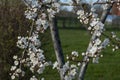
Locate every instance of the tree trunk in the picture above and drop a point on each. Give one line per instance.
(57, 44)
(64, 23)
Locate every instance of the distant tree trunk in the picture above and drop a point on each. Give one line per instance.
(70, 22)
(64, 23)
(57, 44)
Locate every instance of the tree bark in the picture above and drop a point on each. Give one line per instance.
(57, 44)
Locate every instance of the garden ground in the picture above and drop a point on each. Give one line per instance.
(77, 40)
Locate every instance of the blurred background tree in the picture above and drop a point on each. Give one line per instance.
(12, 24)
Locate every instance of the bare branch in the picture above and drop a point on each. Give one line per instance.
(57, 44)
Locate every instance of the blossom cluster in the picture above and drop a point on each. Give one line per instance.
(41, 12)
(33, 57)
(17, 70)
(96, 28)
(73, 55)
(116, 41)
(68, 71)
(83, 16)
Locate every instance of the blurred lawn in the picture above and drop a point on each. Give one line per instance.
(76, 39)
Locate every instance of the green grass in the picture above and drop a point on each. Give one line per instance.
(76, 39)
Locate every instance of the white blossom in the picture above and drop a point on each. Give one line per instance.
(31, 14)
(33, 78)
(13, 77)
(19, 70)
(97, 41)
(15, 57)
(80, 12)
(99, 26)
(22, 42)
(75, 53)
(79, 64)
(51, 12)
(93, 50)
(113, 49)
(89, 28)
(98, 33)
(42, 78)
(13, 68)
(73, 72)
(93, 23)
(55, 65)
(16, 62)
(69, 71)
(83, 54)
